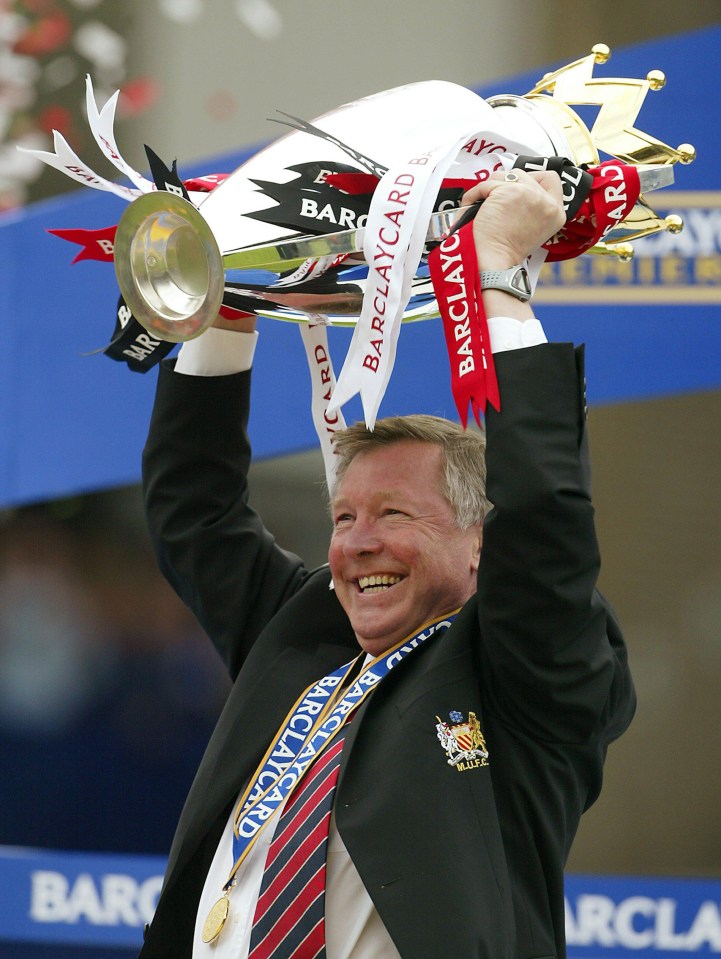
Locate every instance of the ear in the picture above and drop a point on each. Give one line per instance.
(476, 547)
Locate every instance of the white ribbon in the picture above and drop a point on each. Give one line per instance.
(315, 341)
(101, 125)
(395, 237)
(393, 245)
(69, 163)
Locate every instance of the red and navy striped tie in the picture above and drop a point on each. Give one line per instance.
(289, 921)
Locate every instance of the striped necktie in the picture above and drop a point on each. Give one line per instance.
(289, 921)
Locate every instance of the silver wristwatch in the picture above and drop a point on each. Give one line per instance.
(513, 280)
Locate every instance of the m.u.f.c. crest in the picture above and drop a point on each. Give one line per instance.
(462, 741)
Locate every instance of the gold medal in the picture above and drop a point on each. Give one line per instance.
(217, 917)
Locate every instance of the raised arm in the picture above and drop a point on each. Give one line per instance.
(211, 546)
(554, 662)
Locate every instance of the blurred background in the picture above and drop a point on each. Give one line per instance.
(108, 690)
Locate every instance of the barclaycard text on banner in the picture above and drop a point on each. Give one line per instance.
(105, 900)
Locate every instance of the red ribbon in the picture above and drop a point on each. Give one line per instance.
(230, 313)
(614, 192)
(454, 273)
(96, 244)
(206, 183)
(357, 184)
(354, 184)
(99, 244)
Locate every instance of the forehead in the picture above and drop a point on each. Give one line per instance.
(408, 466)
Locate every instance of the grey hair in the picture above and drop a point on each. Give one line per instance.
(464, 457)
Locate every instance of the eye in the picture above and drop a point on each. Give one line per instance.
(342, 518)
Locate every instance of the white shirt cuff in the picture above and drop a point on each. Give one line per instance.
(508, 333)
(217, 353)
(222, 352)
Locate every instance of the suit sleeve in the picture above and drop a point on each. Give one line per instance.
(212, 548)
(553, 659)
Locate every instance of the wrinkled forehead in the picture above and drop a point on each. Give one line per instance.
(410, 466)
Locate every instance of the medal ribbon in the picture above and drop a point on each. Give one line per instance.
(309, 727)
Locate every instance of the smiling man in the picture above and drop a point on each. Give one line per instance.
(399, 554)
(414, 730)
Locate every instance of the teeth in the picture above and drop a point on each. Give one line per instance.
(377, 584)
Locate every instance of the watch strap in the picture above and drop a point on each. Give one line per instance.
(514, 280)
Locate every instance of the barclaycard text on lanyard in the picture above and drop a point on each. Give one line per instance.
(308, 728)
(311, 724)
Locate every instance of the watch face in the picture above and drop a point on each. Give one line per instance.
(521, 282)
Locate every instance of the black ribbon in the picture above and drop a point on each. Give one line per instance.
(576, 187)
(308, 205)
(132, 344)
(165, 178)
(576, 182)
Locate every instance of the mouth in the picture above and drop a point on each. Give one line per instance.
(378, 583)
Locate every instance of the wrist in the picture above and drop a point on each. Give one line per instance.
(513, 281)
(498, 303)
(497, 258)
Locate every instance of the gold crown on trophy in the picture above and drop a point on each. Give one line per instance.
(619, 100)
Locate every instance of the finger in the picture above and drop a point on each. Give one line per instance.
(520, 210)
(549, 181)
(510, 178)
(546, 180)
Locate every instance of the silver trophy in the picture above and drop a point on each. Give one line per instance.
(286, 235)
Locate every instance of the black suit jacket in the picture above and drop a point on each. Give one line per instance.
(464, 864)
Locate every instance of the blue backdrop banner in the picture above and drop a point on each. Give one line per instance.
(104, 901)
(70, 422)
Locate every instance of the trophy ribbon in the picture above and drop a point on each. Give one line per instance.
(101, 125)
(336, 221)
(456, 282)
(68, 162)
(393, 246)
(322, 377)
(466, 147)
(614, 191)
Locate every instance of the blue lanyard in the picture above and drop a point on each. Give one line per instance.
(309, 727)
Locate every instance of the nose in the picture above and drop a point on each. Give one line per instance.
(362, 538)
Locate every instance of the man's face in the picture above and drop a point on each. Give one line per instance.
(397, 557)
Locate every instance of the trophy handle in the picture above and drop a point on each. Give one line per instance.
(169, 266)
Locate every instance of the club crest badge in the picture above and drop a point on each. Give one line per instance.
(462, 741)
